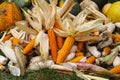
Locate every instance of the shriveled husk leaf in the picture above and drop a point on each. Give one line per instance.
(110, 58)
(94, 51)
(22, 25)
(37, 40)
(38, 64)
(97, 70)
(8, 52)
(60, 67)
(44, 45)
(61, 32)
(104, 43)
(66, 8)
(68, 30)
(14, 69)
(96, 13)
(3, 60)
(79, 29)
(15, 33)
(80, 18)
(21, 59)
(34, 17)
(35, 66)
(35, 63)
(87, 3)
(95, 24)
(70, 65)
(88, 77)
(48, 12)
(36, 59)
(116, 61)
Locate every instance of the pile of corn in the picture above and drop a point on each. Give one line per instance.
(52, 37)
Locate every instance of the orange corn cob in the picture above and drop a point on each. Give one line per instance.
(116, 38)
(79, 54)
(15, 40)
(7, 37)
(91, 59)
(53, 44)
(60, 42)
(29, 46)
(60, 39)
(64, 51)
(80, 46)
(115, 70)
(106, 51)
(76, 59)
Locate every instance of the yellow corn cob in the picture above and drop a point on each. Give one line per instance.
(15, 41)
(115, 70)
(91, 59)
(64, 51)
(76, 59)
(79, 54)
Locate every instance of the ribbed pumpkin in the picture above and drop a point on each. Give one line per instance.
(9, 14)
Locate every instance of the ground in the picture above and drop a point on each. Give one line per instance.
(42, 74)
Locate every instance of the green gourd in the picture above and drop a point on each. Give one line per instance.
(23, 3)
(100, 3)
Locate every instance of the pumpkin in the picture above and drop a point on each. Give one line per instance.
(9, 14)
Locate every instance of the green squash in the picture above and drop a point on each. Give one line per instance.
(76, 9)
(100, 3)
(1, 1)
(111, 1)
(23, 3)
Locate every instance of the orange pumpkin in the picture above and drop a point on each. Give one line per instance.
(9, 14)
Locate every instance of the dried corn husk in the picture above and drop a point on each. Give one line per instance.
(21, 59)
(24, 26)
(70, 56)
(116, 61)
(110, 27)
(34, 17)
(8, 52)
(105, 43)
(110, 58)
(3, 60)
(117, 24)
(14, 69)
(74, 48)
(67, 6)
(44, 45)
(93, 50)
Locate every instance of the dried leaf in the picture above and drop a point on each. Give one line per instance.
(8, 52)
(15, 70)
(25, 28)
(21, 59)
(44, 45)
